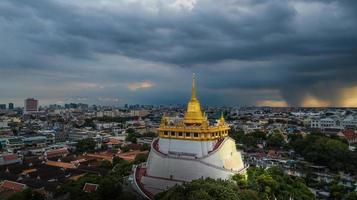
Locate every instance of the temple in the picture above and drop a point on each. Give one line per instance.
(188, 149)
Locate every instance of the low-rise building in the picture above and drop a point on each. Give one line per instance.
(9, 159)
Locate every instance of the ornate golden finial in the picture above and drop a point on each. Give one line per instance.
(163, 120)
(194, 97)
(194, 114)
(222, 118)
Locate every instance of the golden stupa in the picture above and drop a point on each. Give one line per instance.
(187, 149)
(195, 125)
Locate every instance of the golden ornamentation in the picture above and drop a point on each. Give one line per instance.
(195, 125)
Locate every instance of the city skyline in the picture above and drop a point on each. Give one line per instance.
(273, 53)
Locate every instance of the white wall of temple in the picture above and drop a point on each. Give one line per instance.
(226, 156)
(189, 169)
(197, 148)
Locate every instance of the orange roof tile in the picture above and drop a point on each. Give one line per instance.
(130, 155)
(60, 164)
(56, 152)
(90, 187)
(113, 141)
(11, 185)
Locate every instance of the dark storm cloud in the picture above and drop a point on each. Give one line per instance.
(295, 47)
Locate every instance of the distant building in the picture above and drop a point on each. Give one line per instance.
(2, 106)
(36, 141)
(14, 143)
(11, 106)
(61, 152)
(139, 113)
(76, 135)
(31, 105)
(9, 159)
(334, 122)
(3, 123)
(61, 136)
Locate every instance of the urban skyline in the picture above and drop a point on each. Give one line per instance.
(178, 99)
(290, 53)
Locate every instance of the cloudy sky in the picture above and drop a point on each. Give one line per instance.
(244, 52)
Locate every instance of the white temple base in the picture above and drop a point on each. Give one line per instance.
(165, 170)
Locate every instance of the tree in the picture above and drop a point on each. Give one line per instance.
(125, 148)
(27, 194)
(337, 191)
(276, 140)
(132, 135)
(248, 194)
(322, 150)
(110, 187)
(241, 180)
(89, 123)
(144, 147)
(201, 189)
(249, 140)
(260, 184)
(122, 169)
(105, 164)
(117, 160)
(86, 145)
(351, 196)
(140, 158)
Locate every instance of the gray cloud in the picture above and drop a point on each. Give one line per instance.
(243, 50)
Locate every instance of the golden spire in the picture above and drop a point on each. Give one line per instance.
(222, 118)
(163, 119)
(194, 113)
(193, 96)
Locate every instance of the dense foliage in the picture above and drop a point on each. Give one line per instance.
(249, 140)
(132, 135)
(110, 186)
(85, 145)
(276, 141)
(27, 194)
(326, 151)
(260, 184)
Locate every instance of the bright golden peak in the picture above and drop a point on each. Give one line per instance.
(222, 120)
(194, 114)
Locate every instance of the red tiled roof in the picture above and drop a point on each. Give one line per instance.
(9, 157)
(56, 152)
(130, 155)
(11, 185)
(90, 187)
(102, 156)
(350, 134)
(79, 161)
(113, 141)
(60, 164)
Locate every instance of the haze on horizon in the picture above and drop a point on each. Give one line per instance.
(244, 52)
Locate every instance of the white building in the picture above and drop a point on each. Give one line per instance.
(334, 122)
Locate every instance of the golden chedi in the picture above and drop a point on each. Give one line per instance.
(188, 149)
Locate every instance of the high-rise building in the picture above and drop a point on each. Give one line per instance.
(31, 105)
(188, 149)
(2, 106)
(11, 106)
